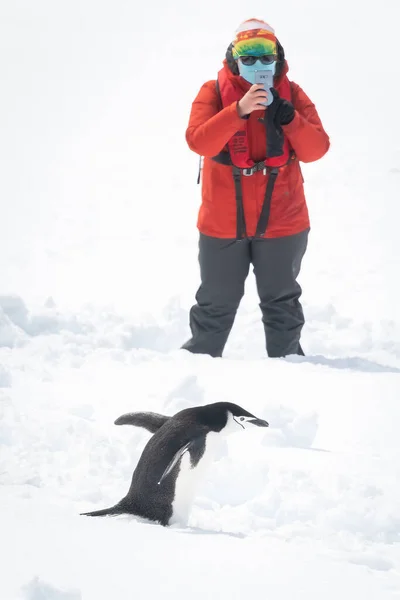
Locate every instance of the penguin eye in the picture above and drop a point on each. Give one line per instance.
(241, 419)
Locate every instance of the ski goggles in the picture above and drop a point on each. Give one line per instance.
(265, 59)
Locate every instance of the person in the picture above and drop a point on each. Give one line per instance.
(253, 209)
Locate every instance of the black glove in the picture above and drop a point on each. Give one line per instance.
(279, 112)
(283, 110)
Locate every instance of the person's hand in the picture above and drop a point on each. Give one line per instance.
(252, 100)
(283, 110)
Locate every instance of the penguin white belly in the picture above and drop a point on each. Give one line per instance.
(188, 479)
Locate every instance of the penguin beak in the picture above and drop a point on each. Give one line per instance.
(244, 422)
(259, 422)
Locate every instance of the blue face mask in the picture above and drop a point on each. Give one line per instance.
(248, 71)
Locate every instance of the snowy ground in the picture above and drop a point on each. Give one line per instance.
(98, 271)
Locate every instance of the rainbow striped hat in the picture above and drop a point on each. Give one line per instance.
(254, 38)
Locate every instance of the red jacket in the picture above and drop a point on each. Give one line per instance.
(207, 134)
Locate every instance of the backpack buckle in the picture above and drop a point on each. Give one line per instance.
(248, 172)
(260, 166)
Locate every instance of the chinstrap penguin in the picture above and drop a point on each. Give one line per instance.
(164, 481)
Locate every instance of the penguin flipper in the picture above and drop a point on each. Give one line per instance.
(148, 420)
(193, 445)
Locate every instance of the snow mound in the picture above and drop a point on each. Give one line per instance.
(40, 590)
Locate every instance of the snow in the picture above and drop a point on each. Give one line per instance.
(98, 270)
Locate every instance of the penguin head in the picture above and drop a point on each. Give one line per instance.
(226, 418)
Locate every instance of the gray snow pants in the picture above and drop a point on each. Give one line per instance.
(224, 266)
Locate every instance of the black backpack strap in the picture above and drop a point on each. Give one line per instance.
(240, 222)
(218, 95)
(266, 207)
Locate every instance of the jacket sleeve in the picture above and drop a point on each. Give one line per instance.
(209, 128)
(305, 133)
